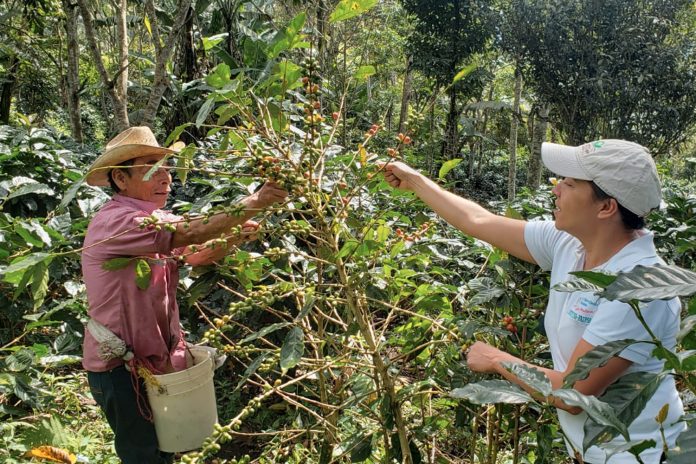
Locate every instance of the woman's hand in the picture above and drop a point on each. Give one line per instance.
(482, 357)
(399, 175)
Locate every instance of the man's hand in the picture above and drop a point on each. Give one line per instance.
(250, 231)
(269, 194)
(399, 175)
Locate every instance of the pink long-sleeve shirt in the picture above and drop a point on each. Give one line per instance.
(147, 320)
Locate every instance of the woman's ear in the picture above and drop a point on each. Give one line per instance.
(609, 208)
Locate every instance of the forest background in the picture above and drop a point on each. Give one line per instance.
(346, 322)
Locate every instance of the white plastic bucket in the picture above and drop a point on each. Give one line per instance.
(183, 405)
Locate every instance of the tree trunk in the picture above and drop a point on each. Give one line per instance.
(514, 122)
(406, 94)
(122, 37)
(119, 104)
(7, 86)
(72, 72)
(164, 54)
(449, 146)
(539, 136)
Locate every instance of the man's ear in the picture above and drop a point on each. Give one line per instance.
(119, 177)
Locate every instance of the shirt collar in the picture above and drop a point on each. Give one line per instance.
(147, 206)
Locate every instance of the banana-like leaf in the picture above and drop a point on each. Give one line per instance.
(599, 411)
(648, 283)
(628, 396)
(685, 448)
(531, 376)
(596, 357)
(492, 391)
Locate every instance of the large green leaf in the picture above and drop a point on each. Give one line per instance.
(253, 367)
(20, 360)
(596, 357)
(685, 448)
(364, 72)
(31, 188)
(21, 264)
(142, 274)
(290, 37)
(530, 376)
(628, 396)
(633, 447)
(492, 391)
(600, 279)
(292, 350)
(599, 411)
(347, 9)
(648, 283)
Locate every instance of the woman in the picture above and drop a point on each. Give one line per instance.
(609, 186)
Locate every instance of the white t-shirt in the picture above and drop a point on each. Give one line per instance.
(572, 316)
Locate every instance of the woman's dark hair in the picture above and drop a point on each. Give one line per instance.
(124, 165)
(630, 220)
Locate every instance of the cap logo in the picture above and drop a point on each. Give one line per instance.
(598, 143)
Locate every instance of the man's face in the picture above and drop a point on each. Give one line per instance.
(155, 190)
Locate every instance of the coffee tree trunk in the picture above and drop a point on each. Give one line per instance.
(405, 95)
(7, 89)
(449, 146)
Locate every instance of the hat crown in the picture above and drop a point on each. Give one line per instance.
(139, 135)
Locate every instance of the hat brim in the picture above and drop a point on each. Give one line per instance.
(563, 160)
(98, 174)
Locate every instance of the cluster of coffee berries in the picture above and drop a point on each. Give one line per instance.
(405, 139)
(509, 323)
(153, 222)
(275, 253)
(297, 227)
(422, 231)
(372, 131)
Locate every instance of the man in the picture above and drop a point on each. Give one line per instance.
(145, 317)
(609, 187)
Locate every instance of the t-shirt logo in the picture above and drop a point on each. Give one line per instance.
(583, 310)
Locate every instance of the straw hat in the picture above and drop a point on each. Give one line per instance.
(132, 143)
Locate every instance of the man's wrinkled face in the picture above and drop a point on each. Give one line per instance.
(156, 189)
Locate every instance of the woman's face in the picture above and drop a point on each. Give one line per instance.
(576, 206)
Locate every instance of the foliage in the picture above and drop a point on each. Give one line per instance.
(602, 69)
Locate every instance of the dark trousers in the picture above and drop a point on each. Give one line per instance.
(134, 436)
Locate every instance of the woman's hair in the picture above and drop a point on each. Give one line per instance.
(124, 165)
(630, 220)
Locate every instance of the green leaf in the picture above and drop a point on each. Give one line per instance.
(292, 350)
(362, 449)
(20, 360)
(183, 162)
(447, 166)
(253, 367)
(39, 284)
(492, 391)
(155, 167)
(599, 411)
(685, 448)
(600, 279)
(70, 194)
(24, 262)
(218, 78)
(530, 376)
(202, 286)
(468, 69)
(633, 447)
(116, 263)
(213, 40)
(146, 20)
(628, 397)
(31, 188)
(204, 111)
(577, 285)
(486, 290)
(176, 133)
(265, 331)
(648, 283)
(347, 9)
(596, 357)
(142, 274)
(289, 37)
(364, 72)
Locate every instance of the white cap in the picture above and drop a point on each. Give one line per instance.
(623, 170)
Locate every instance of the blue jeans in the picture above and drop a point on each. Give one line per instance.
(134, 436)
